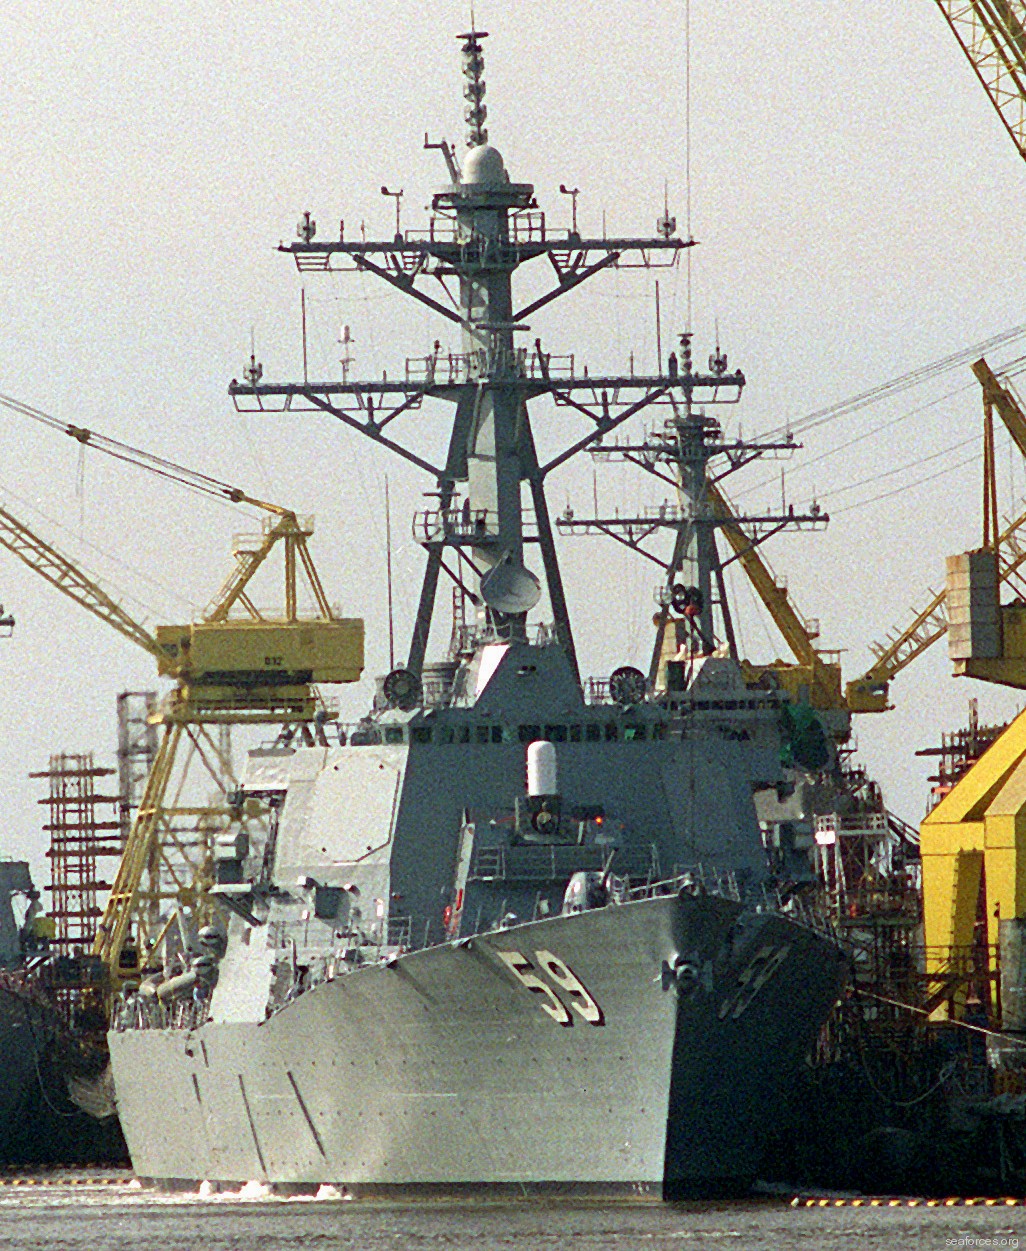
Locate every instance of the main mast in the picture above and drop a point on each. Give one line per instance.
(482, 228)
(496, 432)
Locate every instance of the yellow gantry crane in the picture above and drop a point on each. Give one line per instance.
(973, 843)
(227, 670)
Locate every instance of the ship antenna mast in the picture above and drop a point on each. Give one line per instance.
(489, 502)
(476, 111)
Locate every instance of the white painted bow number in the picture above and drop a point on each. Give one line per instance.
(562, 976)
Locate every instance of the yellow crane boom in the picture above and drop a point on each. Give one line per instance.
(249, 558)
(811, 676)
(992, 34)
(764, 582)
(998, 397)
(227, 670)
(869, 692)
(59, 571)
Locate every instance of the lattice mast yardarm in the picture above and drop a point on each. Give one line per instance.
(483, 227)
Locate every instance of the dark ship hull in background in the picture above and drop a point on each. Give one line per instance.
(56, 1104)
(56, 1094)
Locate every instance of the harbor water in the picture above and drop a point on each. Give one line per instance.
(88, 1212)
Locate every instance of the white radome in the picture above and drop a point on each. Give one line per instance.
(484, 166)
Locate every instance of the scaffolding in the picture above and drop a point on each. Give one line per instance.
(84, 829)
(854, 861)
(959, 751)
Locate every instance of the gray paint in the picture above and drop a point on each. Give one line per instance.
(366, 1062)
(444, 1069)
(323, 1017)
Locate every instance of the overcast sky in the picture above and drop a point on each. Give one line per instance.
(858, 208)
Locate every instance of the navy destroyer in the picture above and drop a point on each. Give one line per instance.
(512, 928)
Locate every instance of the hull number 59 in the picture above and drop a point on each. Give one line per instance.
(752, 978)
(574, 994)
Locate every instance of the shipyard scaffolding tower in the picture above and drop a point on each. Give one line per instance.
(85, 831)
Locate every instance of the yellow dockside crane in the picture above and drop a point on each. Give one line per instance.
(815, 674)
(973, 843)
(977, 832)
(992, 34)
(237, 670)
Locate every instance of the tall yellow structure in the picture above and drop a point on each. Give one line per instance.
(976, 835)
(973, 843)
(227, 670)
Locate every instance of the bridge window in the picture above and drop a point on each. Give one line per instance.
(555, 733)
(612, 732)
(529, 733)
(575, 734)
(421, 734)
(593, 733)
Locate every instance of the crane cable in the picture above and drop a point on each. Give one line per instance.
(886, 389)
(141, 459)
(1013, 368)
(909, 486)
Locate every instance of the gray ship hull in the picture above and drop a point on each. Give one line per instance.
(642, 1046)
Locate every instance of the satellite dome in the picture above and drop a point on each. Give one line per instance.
(484, 166)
